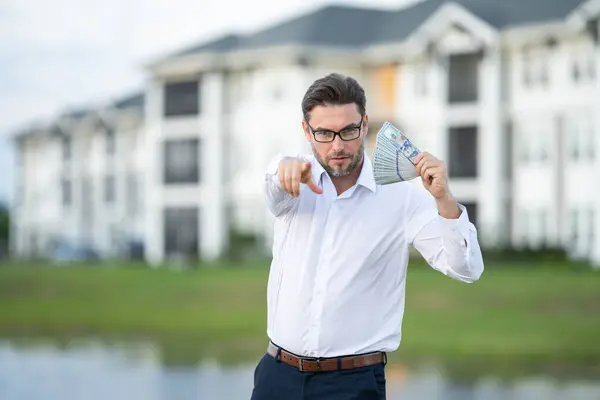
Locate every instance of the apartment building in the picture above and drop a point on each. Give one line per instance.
(507, 93)
(79, 185)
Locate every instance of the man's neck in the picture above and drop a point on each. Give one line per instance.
(343, 183)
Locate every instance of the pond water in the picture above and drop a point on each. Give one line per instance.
(93, 371)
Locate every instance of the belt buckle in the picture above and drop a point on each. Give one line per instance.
(301, 360)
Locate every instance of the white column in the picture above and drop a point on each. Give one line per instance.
(491, 150)
(152, 193)
(595, 251)
(78, 170)
(213, 226)
(437, 91)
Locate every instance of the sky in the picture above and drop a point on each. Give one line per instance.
(69, 53)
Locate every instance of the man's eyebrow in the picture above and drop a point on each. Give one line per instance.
(351, 125)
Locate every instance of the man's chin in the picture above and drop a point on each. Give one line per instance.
(338, 172)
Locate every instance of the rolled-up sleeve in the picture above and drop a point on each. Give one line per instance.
(279, 202)
(450, 246)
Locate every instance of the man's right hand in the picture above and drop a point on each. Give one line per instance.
(294, 171)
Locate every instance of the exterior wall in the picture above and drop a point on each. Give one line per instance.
(208, 195)
(427, 116)
(43, 220)
(531, 116)
(37, 209)
(493, 191)
(553, 121)
(534, 208)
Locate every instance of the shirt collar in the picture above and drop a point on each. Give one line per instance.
(365, 178)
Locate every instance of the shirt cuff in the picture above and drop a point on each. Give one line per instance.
(460, 226)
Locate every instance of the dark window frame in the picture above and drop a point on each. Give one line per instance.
(463, 78)
(458, 147)
(66, 186)
(66, 147)
(110, 188)
(472, 210)
(110, 137)
(170, 155)
(178, 221)
(182, 98)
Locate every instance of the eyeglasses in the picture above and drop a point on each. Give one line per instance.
(346, 134)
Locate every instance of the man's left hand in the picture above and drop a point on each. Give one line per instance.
(435, 179)
(434, 175)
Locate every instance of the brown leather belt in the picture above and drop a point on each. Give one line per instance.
(310, 364)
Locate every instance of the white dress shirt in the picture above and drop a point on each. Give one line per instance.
(338, 275)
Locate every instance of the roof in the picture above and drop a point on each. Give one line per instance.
(335, 25)
(76, 113)
(398, 25)
(350, 26)
(510, 13)
(135, 100)
(223, 43)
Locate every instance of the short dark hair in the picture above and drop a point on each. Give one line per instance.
(334, 89)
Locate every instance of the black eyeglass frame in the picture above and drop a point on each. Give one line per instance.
(338, 133)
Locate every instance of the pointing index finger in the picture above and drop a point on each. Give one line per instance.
(306, 167)
(313, 186)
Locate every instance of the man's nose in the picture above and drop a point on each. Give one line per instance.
(338, 144)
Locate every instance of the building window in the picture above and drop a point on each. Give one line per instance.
(471, 211)
(574, 143)
(574, 230)
(463, 78)
(524, 226)
(535, 142)
(66, 191)
(541, 228)
(132, 195)
(66, 144)
(109, 188)
(583, 66)
(582, 144)
(524, 145)
(527, 66)
(575, 72)
(182, 98)
(589, 138)
(87, 205)
(181, 161)
(111, 142)
(181, 236)
(535, 67)
(462, 146)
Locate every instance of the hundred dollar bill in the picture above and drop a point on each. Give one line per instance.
(393, 156)
(399, 141)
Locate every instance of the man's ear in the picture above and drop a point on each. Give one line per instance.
(365, 125)
(306, 131)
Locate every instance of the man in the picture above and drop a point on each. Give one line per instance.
(335, 295)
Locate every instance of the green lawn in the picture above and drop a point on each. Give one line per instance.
(515, 314)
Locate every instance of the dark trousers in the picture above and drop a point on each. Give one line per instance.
(274, 380)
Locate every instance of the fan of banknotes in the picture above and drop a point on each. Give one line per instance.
(393, 156)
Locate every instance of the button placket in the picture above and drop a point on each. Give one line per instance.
(322, 270)
(318, 287)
